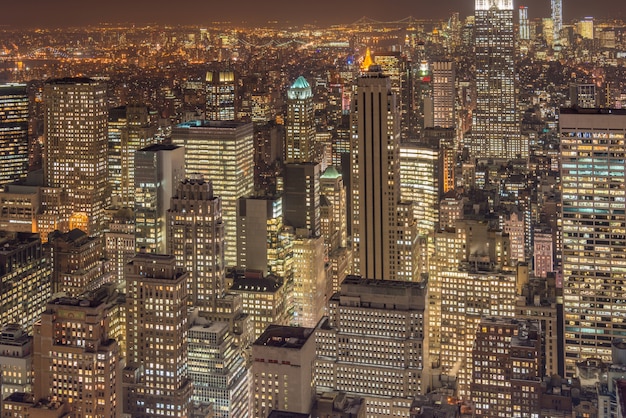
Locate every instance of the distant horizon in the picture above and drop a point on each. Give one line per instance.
(250, 13)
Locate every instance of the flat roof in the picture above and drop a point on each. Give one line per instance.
(284, 336)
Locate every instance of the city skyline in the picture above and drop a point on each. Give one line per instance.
(69, 13)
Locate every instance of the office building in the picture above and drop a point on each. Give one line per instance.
(301, 197)
(155, 380)
(585, 28)
(75, 359)
(119, 242)
(444, 94)
(379, 219)
(159, 168)
(592, 154)
(583, 95)
(13, 132)
(524, 23)
(24, 405)
(374, 344)
(196, 238)
(232, 144)
(265, 299)
(75, 150)
(506, 358)
(420, 183)
(263, 243)
(557, 20)
(283, 372)
(495, 129)
(300, 123)
(25, 279)
(217, 369)
(130, 128)
(16, 362)
(310, 281)
(78, 263)
(221, 94)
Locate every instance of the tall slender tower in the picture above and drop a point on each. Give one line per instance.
(300, 123)
(13, 132)
(524, 24)
(75, 148)
(557, 19)
(593, 151)
(382, 248)
(495, 132)
(196, 238)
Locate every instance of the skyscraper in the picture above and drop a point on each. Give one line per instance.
(495, 132)
(75, 148)
(379, 220)
(156, 383)
(13, 132)
(196, 238)
(130, 128)
(300, 123)
(75, 359)
(593, 151)
(221, 94)
(25, 279)
(159, 168)
(524, 23)
(444, 94)
(557, 19)
(230, 146)
(374, 343)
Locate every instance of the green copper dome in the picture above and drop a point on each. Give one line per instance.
(331, 173)
(300, 89)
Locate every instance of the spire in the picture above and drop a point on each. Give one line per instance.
(367, 61)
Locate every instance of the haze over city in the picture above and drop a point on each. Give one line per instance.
(251, 12)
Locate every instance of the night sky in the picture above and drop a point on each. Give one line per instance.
(60, 13)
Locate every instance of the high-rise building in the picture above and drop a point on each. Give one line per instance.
(399, 68)
(78, 263)
(379, 220)
(130, 128)
(419, 183)
(75, 149)
(16, 368)
(300, 123)
(301, 197)
(159, 168)
(524, 23)
(444, 94)
(585, 28)
(196, 238)
(75, 359)
(310, 286)
(156, 382)
(593, 220)
(374, 344)
(506, 359)
(557, 19)
(283, 371)
(25, 279)
(264, 299)
(263, 243)
(13, 132)
(221, 94)
(217, 369)
(496, 130)
(119, 242)
(583, 95)
(232, 144)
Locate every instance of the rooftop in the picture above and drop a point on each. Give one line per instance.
(284, 337)
(222, 124)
